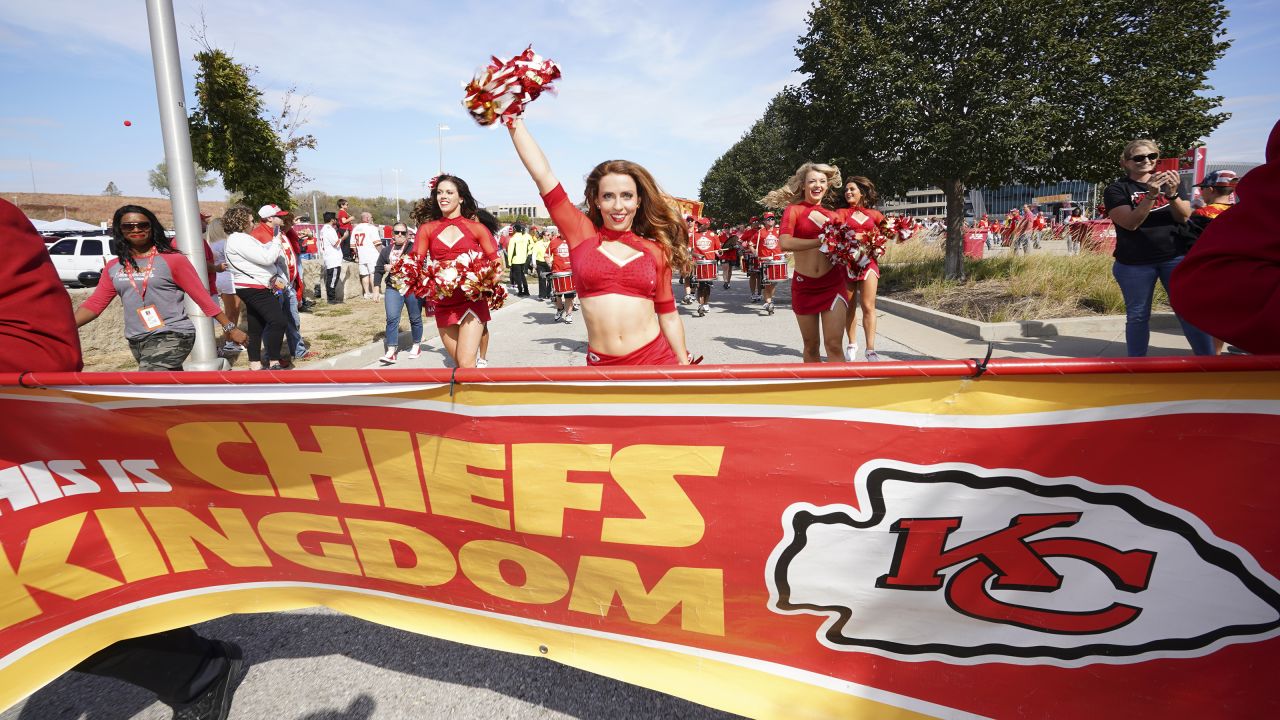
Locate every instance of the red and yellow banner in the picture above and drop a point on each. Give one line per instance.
(1046, 540)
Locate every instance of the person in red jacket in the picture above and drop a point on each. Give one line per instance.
(706, 249)
(1229, 284)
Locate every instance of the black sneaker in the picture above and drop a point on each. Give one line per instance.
(214, 703)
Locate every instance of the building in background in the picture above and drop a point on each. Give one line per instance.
(533, 211)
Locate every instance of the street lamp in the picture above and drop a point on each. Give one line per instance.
(440, 140)
(397, 172)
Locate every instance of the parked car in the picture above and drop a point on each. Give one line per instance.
(73, 256)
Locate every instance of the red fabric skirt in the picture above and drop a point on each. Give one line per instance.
(872, 268)
(815, 295)
(453, 309)
(657, 352)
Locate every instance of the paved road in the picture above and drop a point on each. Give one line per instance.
(526, 334)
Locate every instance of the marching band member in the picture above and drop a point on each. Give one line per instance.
(623, 250)
(751, 258)
(448, 226)
(560, 263)
(706, 248)
(818, 294)
(686, 276)
(768, 247)
(728, 254)
(860, 198)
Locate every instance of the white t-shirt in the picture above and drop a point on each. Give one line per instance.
(363, 236)
(330, 247)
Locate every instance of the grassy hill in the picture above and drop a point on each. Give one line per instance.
(96, 209)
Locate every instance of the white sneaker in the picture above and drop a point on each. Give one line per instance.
(414, 352)
(559, 315)
(702, 309)
(482, 363)
(568, 319)
(389, 358)
(873, 356)
(232, 346)
(850, 352)
(768, 307)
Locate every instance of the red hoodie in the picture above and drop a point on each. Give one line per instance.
(1229, 284)
(37, 326)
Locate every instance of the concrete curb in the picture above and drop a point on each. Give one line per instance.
(363, 356)
(964, 327)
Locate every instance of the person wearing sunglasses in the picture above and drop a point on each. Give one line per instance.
(1150, 218)
(396, 297)
(153, 280)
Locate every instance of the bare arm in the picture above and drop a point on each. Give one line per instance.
(532, 157)
(793, 243)
(673, 330)
(84, 316)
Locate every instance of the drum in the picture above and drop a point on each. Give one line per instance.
(704, 270)
(775, 271)
(752, 264)
(562, 282)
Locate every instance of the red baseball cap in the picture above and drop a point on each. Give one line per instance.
(704, 221)
(755, 219)
(768, 216)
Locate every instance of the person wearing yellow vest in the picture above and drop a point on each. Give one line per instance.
(518, 252)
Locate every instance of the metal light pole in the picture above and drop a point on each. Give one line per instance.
(440, 139)
(182, 176)
(397, 172)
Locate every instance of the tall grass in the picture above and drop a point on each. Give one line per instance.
(1007, 287)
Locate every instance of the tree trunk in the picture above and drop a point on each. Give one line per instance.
(953, 267)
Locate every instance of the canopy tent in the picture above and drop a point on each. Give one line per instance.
(63, 225)
(40, 225)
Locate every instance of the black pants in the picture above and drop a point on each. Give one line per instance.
(331, 290)
(544, 280)
(519, 278)
(266, 323)
(176, 665)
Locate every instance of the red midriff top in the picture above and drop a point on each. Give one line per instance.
(475, 236)
(595, 272)
(871, 218)
(796, 222)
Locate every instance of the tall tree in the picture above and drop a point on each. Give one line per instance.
(158, 178)
(761, 161)
(111, 190)
(230, 134)
(984, 93)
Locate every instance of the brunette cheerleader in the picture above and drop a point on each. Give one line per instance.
(860, 198)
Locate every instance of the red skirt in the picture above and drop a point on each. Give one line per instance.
(657, 352)
(815, 295)
(454, 308)
(860, 274)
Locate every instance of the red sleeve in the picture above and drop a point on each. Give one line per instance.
(422, 241)
(184, 275)
(573, 224)
(789, 221)
(37, 326)
(208, 266)
(663, 301)
(485, 238)
(1229, 284)
(105, 291)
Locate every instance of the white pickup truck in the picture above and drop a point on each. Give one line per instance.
(80, 259)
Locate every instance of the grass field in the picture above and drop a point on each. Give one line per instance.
(1006, 288)
(96, 209)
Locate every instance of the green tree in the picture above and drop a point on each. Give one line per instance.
(158, 178)
(229, 133)
(984, 93)
(111, 190)
(759, 162)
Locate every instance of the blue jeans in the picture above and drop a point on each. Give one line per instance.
(1138, 286)
(394, 302)
(292, 328)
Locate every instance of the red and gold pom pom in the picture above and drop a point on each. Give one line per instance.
(502, 89)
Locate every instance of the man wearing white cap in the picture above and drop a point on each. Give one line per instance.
(366, 242)
(269, 223)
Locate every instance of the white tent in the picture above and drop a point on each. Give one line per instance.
(65, 224)
(39, 225)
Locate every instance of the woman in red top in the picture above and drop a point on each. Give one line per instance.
(448, 227)
(818, 294)
(860, 198)
(622, 252)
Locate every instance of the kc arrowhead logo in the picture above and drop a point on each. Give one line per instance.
(961, 564)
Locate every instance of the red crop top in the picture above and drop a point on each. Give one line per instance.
(796, 222)
(474, 236)
(595, 272)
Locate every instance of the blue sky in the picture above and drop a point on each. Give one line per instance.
(668, 84)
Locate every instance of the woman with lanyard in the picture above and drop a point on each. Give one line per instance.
(153, 281)
(1150, 219)
(860, 199)
(394, 299)
(818, 294)
(622, 252)
(449, 227)
(259, 272)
